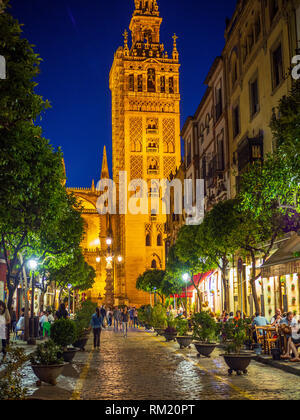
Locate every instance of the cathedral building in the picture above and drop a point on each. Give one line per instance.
(144, 83)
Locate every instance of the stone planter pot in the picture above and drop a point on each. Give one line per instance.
(204, 349)
(170, 336)
(184, 341)
(237, 362)
(159, 331)
(81, 343)
(69, 354)
(48, 374)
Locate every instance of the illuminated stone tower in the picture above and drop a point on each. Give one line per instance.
(144, 82)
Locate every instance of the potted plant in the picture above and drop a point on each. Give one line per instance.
(63, 333)
(159, 319)
(235, 333)
(205, 332)
(183, 339)
(46, 362)
(170, 332)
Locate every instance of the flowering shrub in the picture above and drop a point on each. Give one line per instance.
(47, 354)
(204, 327)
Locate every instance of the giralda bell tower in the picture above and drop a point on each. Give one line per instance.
(144, 82)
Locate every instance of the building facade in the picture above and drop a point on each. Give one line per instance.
(261, 40)
(206, 141)
(254, 72)
(144, 83)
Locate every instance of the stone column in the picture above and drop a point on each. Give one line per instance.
(109, 288)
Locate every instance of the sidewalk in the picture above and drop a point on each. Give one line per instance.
(284, 365)
(23, 344)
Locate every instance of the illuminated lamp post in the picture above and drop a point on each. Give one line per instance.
(32, 265)
(186, 278)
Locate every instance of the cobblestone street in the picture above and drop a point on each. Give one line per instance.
(145, 367)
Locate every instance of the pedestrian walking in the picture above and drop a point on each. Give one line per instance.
(116, 316)
(62, 312)
(97, 324)
(109, 316)
(131, 311)
(4, 328)
(103, 313)
(135, 318)
(124, 319)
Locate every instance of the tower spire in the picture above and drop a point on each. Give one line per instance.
(104, 169)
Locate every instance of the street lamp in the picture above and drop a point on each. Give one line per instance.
(186, 278)
(32, 265)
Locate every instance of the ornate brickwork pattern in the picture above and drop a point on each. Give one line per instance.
(168, 135)
(169, 165)
(136, 167)
(159, 228)
(136, 134)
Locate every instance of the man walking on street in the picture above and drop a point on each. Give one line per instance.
(97, 324)
(124, 319)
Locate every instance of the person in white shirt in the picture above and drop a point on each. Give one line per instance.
(277, 318)
(294, 339)
(50, 317)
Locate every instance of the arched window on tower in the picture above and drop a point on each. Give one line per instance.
(159, 240)
(148, 240)
(154, 264)
(151, 80)
(131, 82)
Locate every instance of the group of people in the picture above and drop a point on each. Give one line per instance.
(280, 320)
(121, 319)
(291, 327)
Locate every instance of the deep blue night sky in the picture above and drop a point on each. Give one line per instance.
(77, 40)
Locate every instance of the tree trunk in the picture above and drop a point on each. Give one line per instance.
(54, 296)
(11, 292)
(59, 296)
(226, 290)
(253, 284)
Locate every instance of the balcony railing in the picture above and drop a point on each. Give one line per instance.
(152, 149)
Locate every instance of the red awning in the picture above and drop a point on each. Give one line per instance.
(199, 278)
(183, 296)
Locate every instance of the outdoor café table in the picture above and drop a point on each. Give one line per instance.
(268, 332)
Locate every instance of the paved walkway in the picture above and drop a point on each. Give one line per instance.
(145, 367)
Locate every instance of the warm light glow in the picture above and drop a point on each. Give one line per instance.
(108, 259)
(97, 241)
(32, 264)
(98, 259)
(185, 277)
(120, 258)
(108, 241)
